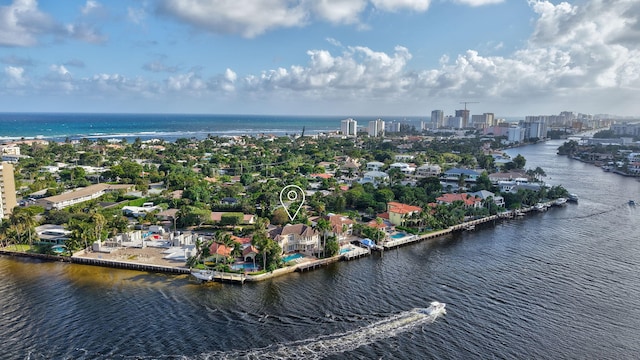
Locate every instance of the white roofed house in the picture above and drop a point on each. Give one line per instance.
(296, 238)
(374, 166)
(374, 177)
(484, 195)
(81, 195)
(428, 170)
(403, 167)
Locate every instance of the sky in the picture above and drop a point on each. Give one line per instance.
(320, 57)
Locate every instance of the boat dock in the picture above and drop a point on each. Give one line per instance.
(129, 265)
(355, 252)
(312, 265)
(410, 239)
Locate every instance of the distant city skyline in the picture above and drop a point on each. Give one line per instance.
(345, 58)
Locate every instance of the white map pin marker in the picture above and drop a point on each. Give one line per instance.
(290, 194)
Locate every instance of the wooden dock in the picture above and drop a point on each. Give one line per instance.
(312, 265)
(129, 265)
(410, 239)
(355, 253)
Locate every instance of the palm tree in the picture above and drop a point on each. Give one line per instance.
(379, 222)
(322, 226)
(22, 221)
(99, 223)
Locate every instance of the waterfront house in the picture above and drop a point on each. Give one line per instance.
(296, 238)
(220, 251)
(514, 175)
(340, 226)
(468, 200)
(484, 195)
(249, 253)
(383, 224)
(514, 186)
(455, 173)
(399, 212)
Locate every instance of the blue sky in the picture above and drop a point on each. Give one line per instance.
(320, 57)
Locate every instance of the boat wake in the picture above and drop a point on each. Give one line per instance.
(332, 344)
(321, 346)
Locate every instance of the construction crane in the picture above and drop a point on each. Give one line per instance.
(465, 115)
(468, 102)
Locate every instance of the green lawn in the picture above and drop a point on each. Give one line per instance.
(20, 248)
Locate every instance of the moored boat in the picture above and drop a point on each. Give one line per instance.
(203, 275)
(561, 201)
(573, 198)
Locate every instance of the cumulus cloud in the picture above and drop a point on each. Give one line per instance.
(136, 15)
(249, 18)
(86, 32)
(575, 52)
(60, 70)
(479, 2)
(15, 60)
(338, 11)
(159, 66)
(22, 22)
(396, 5)
(77, 63)
(90, 6)
(15, 77)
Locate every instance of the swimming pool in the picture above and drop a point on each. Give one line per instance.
(398, 235)
(345, 250)
(245, 266)
(292, 257)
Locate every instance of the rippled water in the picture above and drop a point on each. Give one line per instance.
(560, 284)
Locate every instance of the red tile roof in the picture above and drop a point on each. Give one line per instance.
(323, 176)
(220, 249)
(465, 198)
(400, 208)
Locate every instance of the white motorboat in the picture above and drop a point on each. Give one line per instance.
(203, 275)
(561, 201)
(436, 308)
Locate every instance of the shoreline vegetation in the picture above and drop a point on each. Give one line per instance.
(236, 277)
(211, 206)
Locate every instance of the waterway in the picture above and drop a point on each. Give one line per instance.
(554, 285)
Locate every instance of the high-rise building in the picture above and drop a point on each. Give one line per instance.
(349, 127)
(454, 122)
(482, 121)
(392, 126)
(7, 189)
(437, 118)
(376, 128)
(464, 114)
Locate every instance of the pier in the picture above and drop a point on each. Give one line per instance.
(355, 252)
(312, 265)
(129, 265)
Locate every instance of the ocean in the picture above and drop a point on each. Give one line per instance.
(562, 284)
(59, 126)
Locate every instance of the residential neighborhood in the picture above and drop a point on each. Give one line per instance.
(213, 203)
